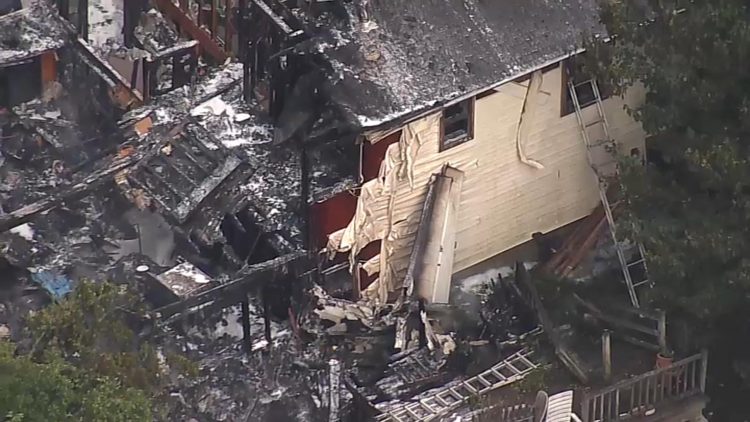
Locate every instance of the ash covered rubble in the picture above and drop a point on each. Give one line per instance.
(441, 348)
(62, 218)
(196, 197)
(176, 200)
(133, 229)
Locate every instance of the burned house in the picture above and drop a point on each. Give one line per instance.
(488, 98)
(321, 179)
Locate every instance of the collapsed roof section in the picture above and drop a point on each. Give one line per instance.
(31, 31)
(392, 59)
(50, 223)
(218, 160)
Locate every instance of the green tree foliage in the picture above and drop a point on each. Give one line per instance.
(86, 362)
(92, 329)
(693, 211)
(57, 391)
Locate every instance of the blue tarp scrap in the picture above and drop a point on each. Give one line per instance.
(57, 285)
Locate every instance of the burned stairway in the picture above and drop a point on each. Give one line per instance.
(196, 184)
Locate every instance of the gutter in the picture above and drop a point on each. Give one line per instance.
(408, 118)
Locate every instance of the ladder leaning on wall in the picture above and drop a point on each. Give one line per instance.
(634, 270)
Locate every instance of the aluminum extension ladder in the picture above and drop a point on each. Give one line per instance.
(639, 261)
(507, 371)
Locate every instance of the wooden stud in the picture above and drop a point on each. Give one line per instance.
(607, 355)
(214, 18)
(228, 25)
(704, 369)
(246, 334)
(662, 329)
(83, 19)
(267, 315)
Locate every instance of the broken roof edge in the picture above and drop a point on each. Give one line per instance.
(399, 119)
(59, 32)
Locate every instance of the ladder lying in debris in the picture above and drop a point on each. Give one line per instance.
(634, 271)
(509, 370)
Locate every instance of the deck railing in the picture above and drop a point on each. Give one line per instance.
(642, 394)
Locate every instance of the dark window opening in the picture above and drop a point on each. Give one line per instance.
(169, 72)
(582, 81)
(636, 154)
(20, 83)
(8, 6)
(457, 124)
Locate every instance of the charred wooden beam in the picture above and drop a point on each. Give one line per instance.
(247, 340)
(63, 7)
(234, 291)
(229, 27)
(83, 19)
(267, 314)
(126, 96)
(305, 206)
(148, 78)
(242, 47)
(89, 183)
(566, 355)
(134, 74)
(273, 17)
(214, 18)
(181, 48)
(131, 16)
(207, 43)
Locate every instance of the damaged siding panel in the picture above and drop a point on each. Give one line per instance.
(508, 200)
(503, 199)
(413, 161)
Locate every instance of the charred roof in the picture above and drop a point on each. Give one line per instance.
(31, 31)
(410, 56)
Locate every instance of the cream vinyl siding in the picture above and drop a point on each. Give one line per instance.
(504, 201)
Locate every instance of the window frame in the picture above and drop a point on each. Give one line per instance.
(446, 144)
(567, 69)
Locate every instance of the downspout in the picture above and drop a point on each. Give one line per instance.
(83, 19)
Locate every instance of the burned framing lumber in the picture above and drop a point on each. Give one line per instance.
(207, 43)
(89, 183)
(566, 355)
(235, 290)
(655, 335)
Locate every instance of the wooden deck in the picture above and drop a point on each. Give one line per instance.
(650, 395)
